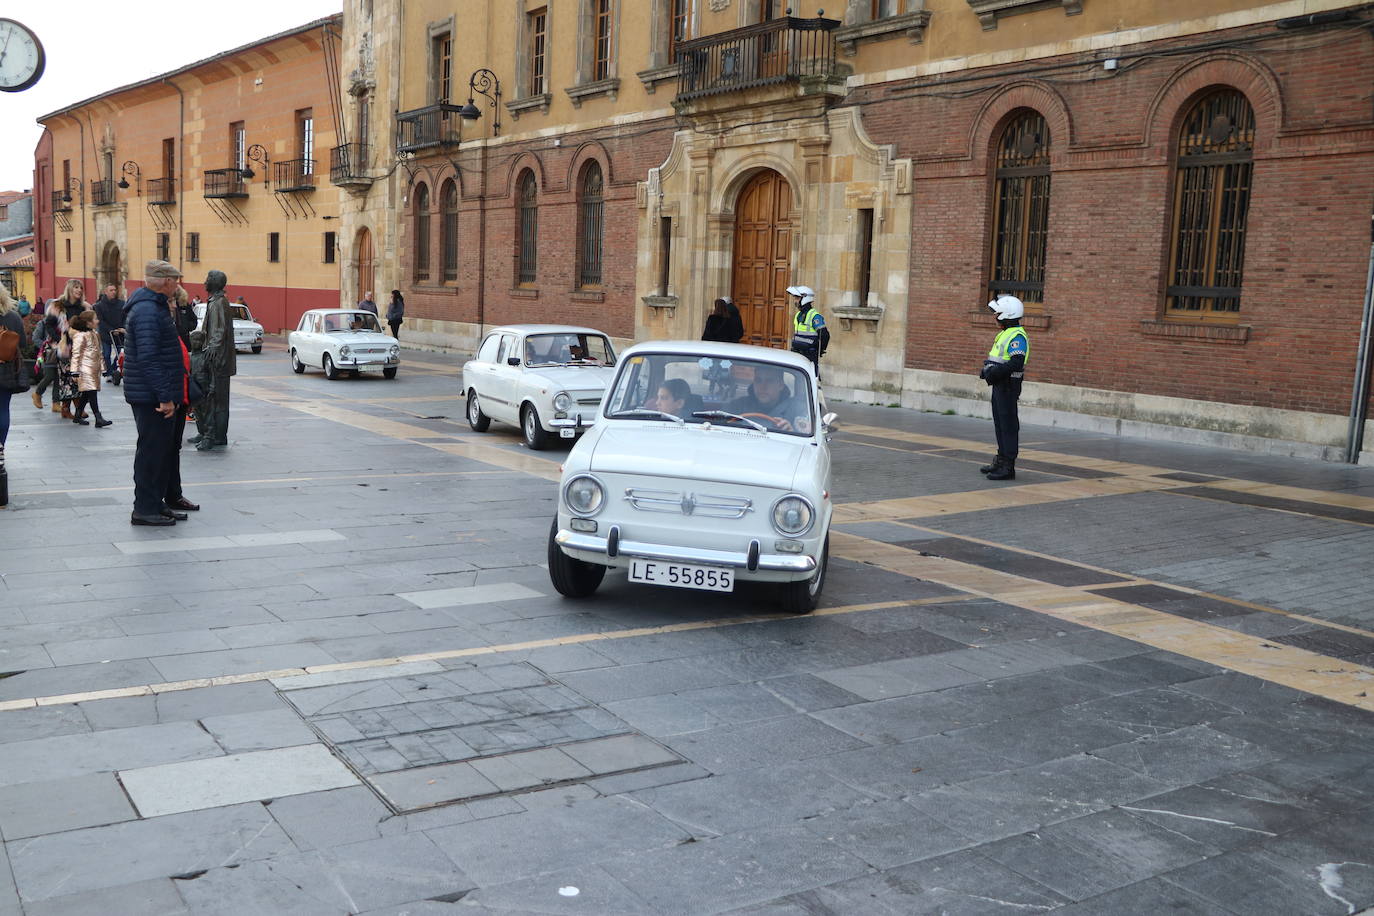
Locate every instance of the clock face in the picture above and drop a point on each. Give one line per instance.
(21, 57)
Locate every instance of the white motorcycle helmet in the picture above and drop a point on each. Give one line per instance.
(1007, 307)
(805, 293)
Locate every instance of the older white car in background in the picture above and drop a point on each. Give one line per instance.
(547, 379)
(247, 332)
(708, 465)
(339, 340)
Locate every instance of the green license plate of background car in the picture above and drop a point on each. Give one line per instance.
(683, 575)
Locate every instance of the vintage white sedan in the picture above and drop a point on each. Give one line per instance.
(247, 332)
(342, 340)
(708, 465)
(547, 379)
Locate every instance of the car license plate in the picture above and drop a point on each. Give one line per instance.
(683, 575)
(567, 432)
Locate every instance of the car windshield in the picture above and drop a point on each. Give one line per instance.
(748, 394)
(351, 321)
(239, 313)
(568, 350)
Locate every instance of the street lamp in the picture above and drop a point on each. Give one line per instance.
(67, 190)
(129, 168)
(258, 153)
(483, 82)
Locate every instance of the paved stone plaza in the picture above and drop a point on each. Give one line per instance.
(1135, 680)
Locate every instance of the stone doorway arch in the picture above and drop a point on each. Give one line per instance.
(761, 268)
(111, 269)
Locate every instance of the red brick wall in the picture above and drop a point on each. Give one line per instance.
(1112, 139)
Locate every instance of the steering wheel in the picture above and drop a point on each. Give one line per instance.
(779, 422)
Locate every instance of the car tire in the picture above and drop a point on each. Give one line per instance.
(536, 439)
(571, 578)
(390, 371)
(802, 597)
(297, 366)
(479, 421)
(256, 348)
(330, 371)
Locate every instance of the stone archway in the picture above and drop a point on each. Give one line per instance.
(761, 269)
(111, 269)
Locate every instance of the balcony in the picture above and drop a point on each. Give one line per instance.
(162, 191)
(58, 204)
(778, 51)
(102, 192)
(225, 183)
(348, 165)
(293, 175)
(427, 128)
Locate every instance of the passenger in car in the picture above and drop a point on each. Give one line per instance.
(675, 397)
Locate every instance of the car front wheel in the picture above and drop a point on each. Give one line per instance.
(296, 365)
(572, 578)
(329, 371)
(390, 371)
(476, 419)
(801, 597)
(256, 348)
(535, 436)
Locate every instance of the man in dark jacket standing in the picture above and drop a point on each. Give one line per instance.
(154, 384)
(109, 308)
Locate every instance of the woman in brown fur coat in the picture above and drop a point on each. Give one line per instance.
(87, 365)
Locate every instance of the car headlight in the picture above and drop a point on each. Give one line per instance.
(395, 352)
(584, 495)
(562, 401)
(344, 351)
(793, 515)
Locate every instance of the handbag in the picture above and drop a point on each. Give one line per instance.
(67, 389)
(9, 345)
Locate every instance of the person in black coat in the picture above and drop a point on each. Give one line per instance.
(724, 323)
(109, 308)
(154, 385)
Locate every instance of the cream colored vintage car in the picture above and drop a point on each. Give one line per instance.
(547, 379)
(708, 465)
(342, 340)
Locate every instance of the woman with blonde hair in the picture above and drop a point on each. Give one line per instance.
(65, 307)
(87, 365)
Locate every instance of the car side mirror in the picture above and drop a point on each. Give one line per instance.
(829, 423)
(512, 360)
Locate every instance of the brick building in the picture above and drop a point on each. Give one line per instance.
(212, 166)
(1180, 190)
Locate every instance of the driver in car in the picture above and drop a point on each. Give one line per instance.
(770, 396)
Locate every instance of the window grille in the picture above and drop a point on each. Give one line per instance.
(422, 232)
(449, 229)
(193, 246)
(1211, 204)
(527, 253)
(330, 247)
(1021, 220)
(590, 226)
(164, 247)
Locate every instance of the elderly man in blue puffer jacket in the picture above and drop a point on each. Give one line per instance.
(154, 384)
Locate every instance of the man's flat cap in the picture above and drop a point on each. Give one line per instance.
(158, 268)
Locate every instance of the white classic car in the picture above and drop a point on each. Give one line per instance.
(708, 465)
(339, 340)
(247, 332)
(545, 378)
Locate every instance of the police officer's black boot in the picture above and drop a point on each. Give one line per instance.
(996, 463)
(1007, 471)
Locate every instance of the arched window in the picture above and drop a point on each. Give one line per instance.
(527, 240)
(590, 226)
(1211, 202)
(1022, 218)
(421, 232)
(448, 229)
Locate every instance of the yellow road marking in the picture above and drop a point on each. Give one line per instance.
(999, 498)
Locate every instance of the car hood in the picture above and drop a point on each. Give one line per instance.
(653, 449)
(571, 378)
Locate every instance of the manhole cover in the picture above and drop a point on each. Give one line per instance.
(472, 732)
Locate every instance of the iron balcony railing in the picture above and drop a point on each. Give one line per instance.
(221, 183)
(293, 175)
(348, 163)
(777, 51)
(435, 125)
(58, 204)
(162, 190)
(102, 192)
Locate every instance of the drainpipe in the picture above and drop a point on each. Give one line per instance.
(181, 170)
(1360, 397)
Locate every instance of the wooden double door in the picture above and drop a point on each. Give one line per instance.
(762, 268)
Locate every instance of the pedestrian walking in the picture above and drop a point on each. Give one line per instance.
(109, 308)
(14, 376)
(724, 323)
(367, 305)
(221, 364)
(396, 313)
(87, 366)
(154, 384)
(810, 336)
(47, 336)
(1004, 369)
(65, 307)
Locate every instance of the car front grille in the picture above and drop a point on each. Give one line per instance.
(688, 503)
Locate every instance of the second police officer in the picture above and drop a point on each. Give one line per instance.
(810, 336)
(1004, 369)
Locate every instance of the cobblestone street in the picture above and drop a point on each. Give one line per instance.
(1134, 680)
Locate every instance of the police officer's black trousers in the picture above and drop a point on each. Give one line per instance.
(1005, 421)
(152, 454)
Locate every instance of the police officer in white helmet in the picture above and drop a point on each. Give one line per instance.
(810, 336)
(1004, 369)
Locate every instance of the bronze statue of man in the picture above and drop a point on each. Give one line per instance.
(221, 363)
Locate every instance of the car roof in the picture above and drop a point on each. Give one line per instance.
(327, 311)
(546, 329)
(718, 350)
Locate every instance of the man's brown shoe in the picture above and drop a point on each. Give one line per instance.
(182, 503)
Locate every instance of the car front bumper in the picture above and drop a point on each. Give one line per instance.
(380, 362)
(593, 548)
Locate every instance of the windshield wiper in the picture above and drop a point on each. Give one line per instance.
(650, 412)
(726, 415)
